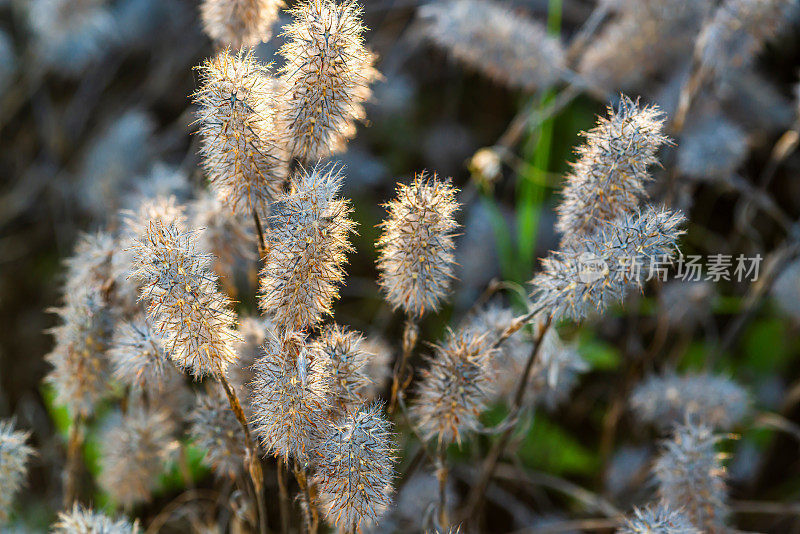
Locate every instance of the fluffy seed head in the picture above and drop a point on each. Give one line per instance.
(238, 131)
(379, 356)
(691, 478)
(290, 397)
(91, 265)
(609, 177)
(215, 429)
(327, 76)
(306, 247)
(14, 455)
(137, 354)
(253, 333)
(685, 304)
(657, 520)
(416, 245)
(223, 233)
(194, 318)
(343, 361)
(238, 23)
(356, 466)
(492, 38)
(454, 388)
(85, 521)
(556, 370)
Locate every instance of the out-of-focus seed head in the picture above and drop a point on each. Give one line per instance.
(91, 265)
(416, 245)
(657, 520)
(379, 356)
(343, 360)
(194, 318)
(786, 291)
(691, 477)
(253, 333)
(238, 23)
(712, 149)
(81, 520)
(494, 39)
(715, 401)
(137, 354)
(685, 304)
(238, 131)
(306, 249)
(164, 210)
(14, 455)
(455, 387)
(290, 397)
(556, 370)
(223, 233)
(356, 466)
(609, 177)
(136, 447)
(215, 429)
(327, 75)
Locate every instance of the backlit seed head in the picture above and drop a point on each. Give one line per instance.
(416, 245)
(137, 354)
(92, 264)
(165, 210)
(185, 306)
(344, 361)
(253, 333)
(215, 429)
(327, 75)
(238, 131)
(238, 23)
(85, 521)
(14, 456)
(657, 520)
(455, 387)
(379, 356)
(306, 247)
(356, 460)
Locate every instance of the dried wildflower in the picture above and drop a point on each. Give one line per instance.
(588, 277)
(14, 455)
(715, 401)
(91, 265)
(290, 397)
(238, 131)
(85, 521)
(253, 332)
(691, 478)
(137, 446)
(712, 149)
(343, 360)
(379, 356)
(184, 304)
(416, 245)
(356, 466)
(222, 233)
(492, 38)
(137, 354)
(609, 177)
(327, 74)
(306, 246)
(657, 520)
(454, 388)
(215, 429)
(685, 304)
(81, 369)
(238, 23)
(164, 210)
(556, 370)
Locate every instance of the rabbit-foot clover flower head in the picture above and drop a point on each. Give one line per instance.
(185, 306)
(492, 38)
(137, 355)
(81, 520)
(14, 455)
(344, 360)
(327, 74)
(137, 446)
(253, 332)
(164, 209)
(92, 265)
(691, 477)
(657, 519)
(379, 355)
(608, 179)
(455, 387)
(356, 466)
(715, 401)
(238, 23)
(589, 276)
(81, 369)
(416, 245)
(215, 429)
(306, 249)
(223, 233)
(556, 370)
(240, 150)
(290, 397)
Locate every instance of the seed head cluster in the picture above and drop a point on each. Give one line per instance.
(238, 23)
(137, 354)
(343, 362)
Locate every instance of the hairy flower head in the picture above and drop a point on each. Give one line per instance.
(137, 354)
(343, 361)
(215, 429)
(81, 520)
(14, 455)
(657, 520)
(238, 23)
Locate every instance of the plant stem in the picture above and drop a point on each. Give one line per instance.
(309, 510)
(261, 242)
(283, 496)
(399, 382)
(441, 475)
(73, 461)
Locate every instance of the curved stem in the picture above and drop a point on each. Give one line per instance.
(399, 382)
(73, 470)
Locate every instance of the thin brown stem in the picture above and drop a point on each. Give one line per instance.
(441, 475)
(309, 510)
(399, 381)
(74, 461)
(283, 496)
(262, 244)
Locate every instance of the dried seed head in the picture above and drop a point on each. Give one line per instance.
(356, 466)
(92, 264)
(14, 455)
(238, 131)
(455, 387)
(495, 39)
(609, 177)
(226, 235)
(556, 370)
(290, 397)
(416, 245)
(343, 360)
(657, 520)
(165, 210)
(85, 521)
(327, 76)
(253, 333)
(379, 356)
(136, 447)
(137, 355)
(714, 401)
(215, 429)
(238, 23)
(691, 478)
(306, 247)
(194, 318)
(686, 304)
(712, 148)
